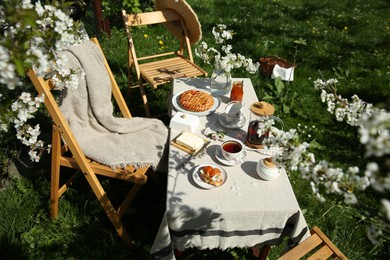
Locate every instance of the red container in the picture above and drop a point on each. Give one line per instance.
(237, 91)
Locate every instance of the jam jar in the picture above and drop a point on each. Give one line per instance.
(237, 91)
(260, 112)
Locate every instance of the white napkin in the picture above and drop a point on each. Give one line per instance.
(284, 74)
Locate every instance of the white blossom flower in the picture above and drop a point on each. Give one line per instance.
(8, 75)
(373, 234)
(23, 115)
(313, 187)
(318, 84)
(350, 198)
(26, 4)
(375, 133)
(319, 197)
(364, 135)
(340, 114)
(39, 9)
(386, 208)
(34, 156)
(224, 59)
(53, 33)
(25, 97)
(334, 188)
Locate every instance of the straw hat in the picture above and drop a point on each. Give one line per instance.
(187, 14)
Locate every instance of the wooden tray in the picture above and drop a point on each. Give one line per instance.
(185, 149)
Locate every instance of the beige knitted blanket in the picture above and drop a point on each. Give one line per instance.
(107, 139)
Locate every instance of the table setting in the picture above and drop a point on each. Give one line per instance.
(223, 191)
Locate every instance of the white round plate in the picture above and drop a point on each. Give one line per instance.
(221, 159)
(176, 105)
(198, 180)
(224, 123)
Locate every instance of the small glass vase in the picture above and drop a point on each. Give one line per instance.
(221, 82)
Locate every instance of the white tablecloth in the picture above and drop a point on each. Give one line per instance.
(243, 212)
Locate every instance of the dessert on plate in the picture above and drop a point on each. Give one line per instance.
(196, 100)
(211, 175)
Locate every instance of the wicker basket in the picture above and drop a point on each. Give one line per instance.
(267, 64)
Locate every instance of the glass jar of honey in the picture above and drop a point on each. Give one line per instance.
(237, 91)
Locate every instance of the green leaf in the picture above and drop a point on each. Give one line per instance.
(286, 109)
(234, 254)
(279, 86)
(27, 17)
(292, 99)
(269, 86)
(299, 113)
(301, 41)
(315, 145)
(267, 97)
(19, 64)
(30, 21)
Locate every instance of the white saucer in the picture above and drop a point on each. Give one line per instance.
(198, 180)
(224, 123)
(221, 159)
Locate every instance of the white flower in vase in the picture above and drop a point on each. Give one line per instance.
(223, 59)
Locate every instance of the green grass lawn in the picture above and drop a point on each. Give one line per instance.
(347, 40)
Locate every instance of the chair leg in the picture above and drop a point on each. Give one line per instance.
(115, 219)
(55, 172)
(260, 253)
(144, 98)
(108, 207)
(129, 198)
(56, 190)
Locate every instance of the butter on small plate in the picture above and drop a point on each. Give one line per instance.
(188, 142)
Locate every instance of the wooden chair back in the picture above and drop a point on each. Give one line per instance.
(161, 68)
(66, 152)
(317, 247)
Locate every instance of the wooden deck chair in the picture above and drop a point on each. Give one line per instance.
(160, 68)
(71, 156)
(316, 247)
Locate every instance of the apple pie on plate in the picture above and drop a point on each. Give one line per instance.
(196, 102)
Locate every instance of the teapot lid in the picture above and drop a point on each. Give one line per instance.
(269, 162)
(262, 108)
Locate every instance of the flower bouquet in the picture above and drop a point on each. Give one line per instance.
(223, 59)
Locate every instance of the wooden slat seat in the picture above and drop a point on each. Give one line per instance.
(316, 247)
(159, 69)
(163, 71)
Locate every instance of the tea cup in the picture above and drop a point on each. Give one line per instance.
(233, 112)
(232, 150)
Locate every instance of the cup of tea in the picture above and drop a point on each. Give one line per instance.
(232, 150)
(233, 112)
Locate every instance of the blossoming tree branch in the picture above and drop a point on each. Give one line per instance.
(34, 36)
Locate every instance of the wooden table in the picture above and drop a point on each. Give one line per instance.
(243, 212)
